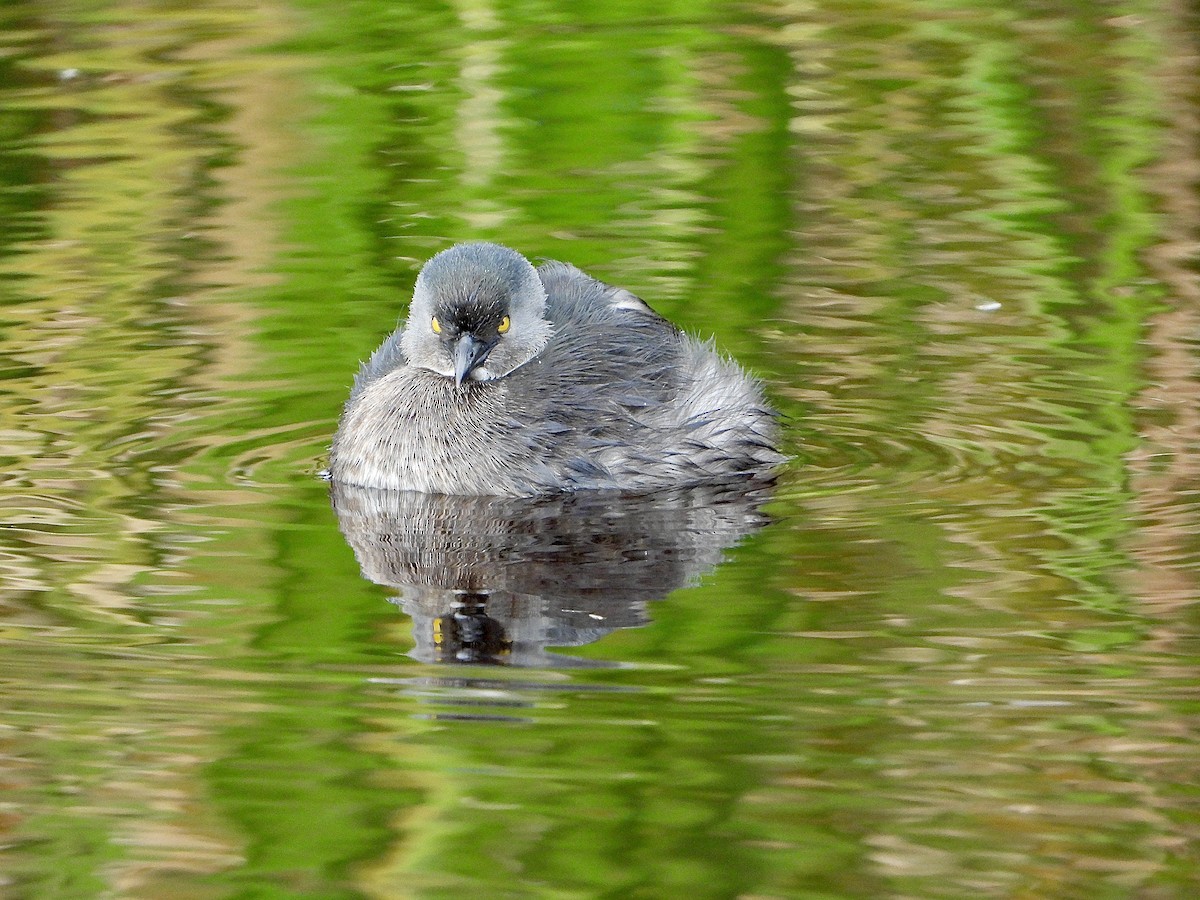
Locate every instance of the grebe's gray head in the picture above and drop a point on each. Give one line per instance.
(478, 312)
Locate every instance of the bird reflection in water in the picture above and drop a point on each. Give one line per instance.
(468, 633)
(499, 580)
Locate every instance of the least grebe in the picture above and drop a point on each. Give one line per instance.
(510, 380)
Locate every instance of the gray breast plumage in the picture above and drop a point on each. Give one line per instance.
(617, 398)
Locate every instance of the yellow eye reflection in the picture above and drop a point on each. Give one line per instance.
(504, 325)
(435, 325)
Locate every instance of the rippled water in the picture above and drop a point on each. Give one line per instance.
(955, 653)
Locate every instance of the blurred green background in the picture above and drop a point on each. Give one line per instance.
(957, 241)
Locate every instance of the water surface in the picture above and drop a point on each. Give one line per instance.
(953, 655)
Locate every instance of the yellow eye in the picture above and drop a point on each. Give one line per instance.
(436, 325)
(504, 325)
